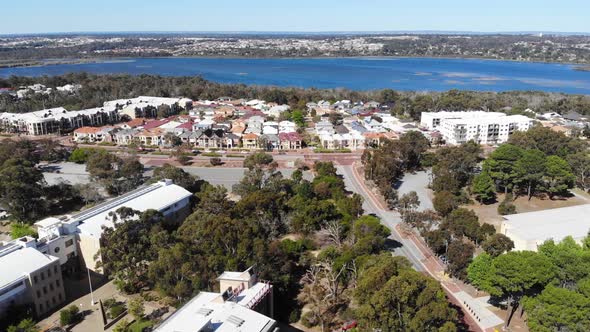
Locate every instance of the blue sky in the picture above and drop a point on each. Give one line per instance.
(37, 16)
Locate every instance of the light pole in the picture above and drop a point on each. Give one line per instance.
(90, 285)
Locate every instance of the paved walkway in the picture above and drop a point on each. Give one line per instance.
(477, 312)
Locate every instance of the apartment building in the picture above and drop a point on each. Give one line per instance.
(244, 304)
(481, 127)
(56, 120)
(87, 226)
(30, 277)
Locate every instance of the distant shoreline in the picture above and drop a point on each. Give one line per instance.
(75, 61)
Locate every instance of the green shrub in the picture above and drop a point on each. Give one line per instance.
(295, 315)
(116, 310)
(506, 207)
(18, 230)
(69, 315)
(211, 154)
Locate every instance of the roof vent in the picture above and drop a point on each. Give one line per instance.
(204, 311)
(237, 321)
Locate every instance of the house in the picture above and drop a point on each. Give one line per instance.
(287, 127)
(290, 141)
(151, 137)
(269, 141)
(243, 304)
(123, 136)
(93, 134)
(276, 111)
(575, 116)
(250, 141)
(215, 138)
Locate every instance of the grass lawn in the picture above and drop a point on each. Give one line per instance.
(140, 325)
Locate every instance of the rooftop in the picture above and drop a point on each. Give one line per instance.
(550, 224)
(20, 263)
(156, 196)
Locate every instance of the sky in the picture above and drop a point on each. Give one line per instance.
(43, 16)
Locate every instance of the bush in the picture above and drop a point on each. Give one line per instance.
(295, 315)
(216, 161)
(116, 309)
(18, 230)
(69, 315)
(308, 320)
(109, 303)
(184, 159)
(210, 154)
(507, 207)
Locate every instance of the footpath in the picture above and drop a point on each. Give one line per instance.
(476, 309)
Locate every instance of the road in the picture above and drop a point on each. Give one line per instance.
(477, 313)
(389, 218)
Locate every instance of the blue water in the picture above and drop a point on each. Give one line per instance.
(420, 74)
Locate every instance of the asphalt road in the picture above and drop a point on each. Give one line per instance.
(389, 218)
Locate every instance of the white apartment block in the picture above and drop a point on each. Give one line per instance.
(56, 120)
(86, 227)
(479, 126)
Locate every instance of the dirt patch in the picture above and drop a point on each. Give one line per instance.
(488, 213)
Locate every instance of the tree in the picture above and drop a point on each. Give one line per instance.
(122, 326)
(497, 244)
(459, 255)
(580, 164)
(507, 207)
(102, 165)
(444, 202)
(558, 176)
(136, 308)
(259, 159)
(126, 249)
(462, 222)
(26, 325)
(530, 169)
(483, 187)
(514, 275)
(21, 189)
(558, 309)
(298, 117)
(571, 259)
(407, 300)
(178, 176)
(478, 271)
(407, 205)
(501, 165)
(88, 191)
(411, 146)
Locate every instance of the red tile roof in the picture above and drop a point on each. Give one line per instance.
(155, 124)
(292, 137)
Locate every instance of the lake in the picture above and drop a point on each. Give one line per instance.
(420, 74)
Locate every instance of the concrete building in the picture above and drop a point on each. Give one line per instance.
(56, 120)
(87, 226)
(479, 126)
(244, 304)
(529, 230)
(30, 277)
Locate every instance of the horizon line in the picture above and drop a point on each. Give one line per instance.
(295, 32)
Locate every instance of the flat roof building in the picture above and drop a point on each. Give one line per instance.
(87, 226)
(479, 126)
(29, 277)
(244, 304)
(531, 229)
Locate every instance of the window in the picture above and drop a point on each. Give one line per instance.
(38, 293)
(56, 250)
(42, 275)
(51, 287)
(57, 282)
(34, 279)
(69, 243)
(59, 297)
(44, 290)
(48, 273)
(55, 269)
(40, 307)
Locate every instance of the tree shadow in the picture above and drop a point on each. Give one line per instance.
(391, 244)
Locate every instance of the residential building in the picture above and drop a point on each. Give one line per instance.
(93, 134)
(30, 277)
(529, 230)
(87, 226)
(244, 304)
(56, 120)
(290, 141)
(481, 127)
